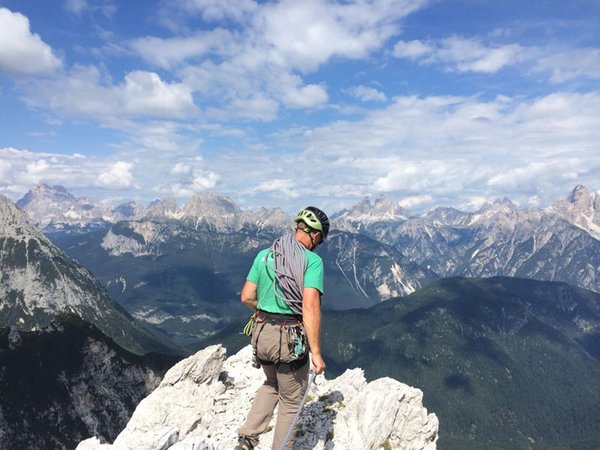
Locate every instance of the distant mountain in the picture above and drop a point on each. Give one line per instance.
(364, 213)
(54, 208)
(38, 281)
(186, 280)
(67, 382)
(559, 243)
(505, 363)
(581, 208)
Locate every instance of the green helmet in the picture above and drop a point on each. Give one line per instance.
(315, 219)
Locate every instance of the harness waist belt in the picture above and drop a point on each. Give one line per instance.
(278, 319)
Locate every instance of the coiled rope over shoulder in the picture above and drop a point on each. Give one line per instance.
(289, 265)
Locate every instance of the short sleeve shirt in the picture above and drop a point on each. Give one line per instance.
(263, 276)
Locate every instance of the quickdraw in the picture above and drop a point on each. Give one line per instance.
(249, 327)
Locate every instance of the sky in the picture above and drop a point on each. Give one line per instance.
(289, 103)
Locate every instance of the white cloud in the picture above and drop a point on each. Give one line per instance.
(5, 168)
(117, 176)
(415, 200)
(76, 6)
(282, 187)
(170, 52)
(21, 51)
(411, 49)
(564, 66)
(462, 54)
(85, 92)
(145, 94)
(367, 94)
(218, 10)
(182, 169)
(36, 167)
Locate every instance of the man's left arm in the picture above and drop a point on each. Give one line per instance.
(248, 295)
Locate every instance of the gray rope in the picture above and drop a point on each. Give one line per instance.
(289, 257)
(313, 375)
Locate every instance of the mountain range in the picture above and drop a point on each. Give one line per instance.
(180, 267)
(505, 363)
(38, 282)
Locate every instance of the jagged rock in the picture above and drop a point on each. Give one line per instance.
(204, 399)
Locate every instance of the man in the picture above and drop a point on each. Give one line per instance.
(284, 287)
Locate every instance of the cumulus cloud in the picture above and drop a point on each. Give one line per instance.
(181, 169)
(367, 94)
(461, 54)
(85, 92)
(21, 169)
(253, 73)
(21, 51)
(564, 66)
(145, 94)
(171, 52)
(5, 168)
(503, 147)
(412, 49)
(283, 187)
(117, 176)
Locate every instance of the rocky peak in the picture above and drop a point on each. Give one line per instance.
(442, 215)
(13, 221)
(38, 282)
(203, 399)
(214, 211)
(54, 207)
(581, 208)
(365, 213)
(43, 192)
(579, 196)
(166, 207)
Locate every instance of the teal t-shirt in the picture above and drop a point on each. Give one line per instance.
(262, 275)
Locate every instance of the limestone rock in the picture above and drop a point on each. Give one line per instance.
(203, 400)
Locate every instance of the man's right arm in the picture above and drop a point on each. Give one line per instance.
(311, 316)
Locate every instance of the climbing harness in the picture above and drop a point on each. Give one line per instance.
(311, 380)
(291, 327)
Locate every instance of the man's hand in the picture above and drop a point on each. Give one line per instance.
(318, 365)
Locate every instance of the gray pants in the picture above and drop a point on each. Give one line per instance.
(287, 389)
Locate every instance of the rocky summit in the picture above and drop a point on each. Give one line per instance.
(203, 399)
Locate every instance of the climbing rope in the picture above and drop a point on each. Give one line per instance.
(289, 265)
(311, 380)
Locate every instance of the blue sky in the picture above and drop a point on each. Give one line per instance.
(289, 103)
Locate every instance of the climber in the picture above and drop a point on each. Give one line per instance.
(284, 288)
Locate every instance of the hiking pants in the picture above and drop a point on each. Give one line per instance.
(285, 389)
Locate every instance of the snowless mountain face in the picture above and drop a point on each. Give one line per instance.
(38, 281)
(581, 208)
(53, 208)
(365, 213)
(67, 382)
(203, 399)
(559, 243)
